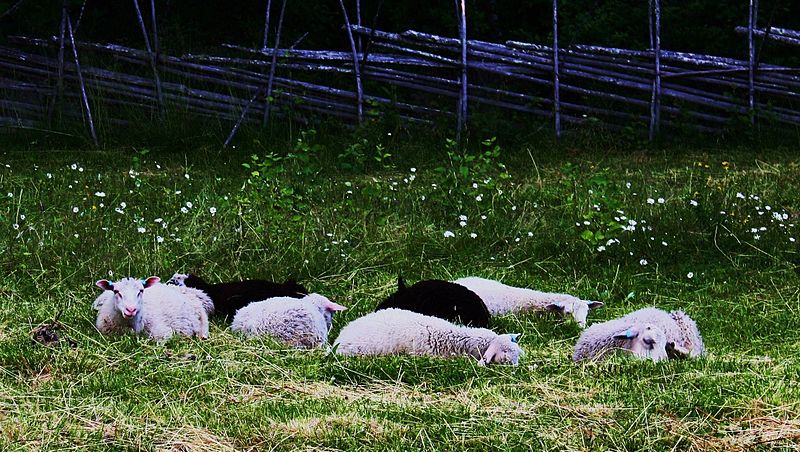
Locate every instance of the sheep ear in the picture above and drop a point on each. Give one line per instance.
(514, 337)
(333, 307)
(595, 304)
(627, 334)
(555, 307)
(150, 281)
(677, 351)
(105, 284)
(488, 356)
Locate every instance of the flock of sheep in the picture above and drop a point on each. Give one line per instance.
(431, 317)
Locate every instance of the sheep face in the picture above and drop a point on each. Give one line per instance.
(326, 307)
(577, 308)
(128, 294)
(502, 350)
(178, 279)
(646, 342)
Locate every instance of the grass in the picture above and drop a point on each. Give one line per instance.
(346, 221)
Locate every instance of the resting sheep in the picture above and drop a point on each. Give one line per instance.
(442, 299)
(601, 340)
(301, 323)
(230, 296)
(681, 338)
(502, 299)
(397, 331)
(145, 306)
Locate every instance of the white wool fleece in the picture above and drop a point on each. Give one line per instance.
(397, 331)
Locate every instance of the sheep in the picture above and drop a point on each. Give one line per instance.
(231, 296)
(681, 336)
(643, 340)
(146, 306)
(301, 323)
(396, 331)
(501, 299)
(446, 300)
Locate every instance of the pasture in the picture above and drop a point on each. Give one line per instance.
(711, 231)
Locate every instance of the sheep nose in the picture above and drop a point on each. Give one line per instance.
(649, 341)
(130, 311)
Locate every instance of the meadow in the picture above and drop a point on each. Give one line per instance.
(710, 230)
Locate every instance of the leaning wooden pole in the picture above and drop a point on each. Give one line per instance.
(461, 11)
(271, 78)
(356, 68)
(241, 118)
(556, 79)
(655, 100)
(751, 61)
(156, 78)
(84, 97)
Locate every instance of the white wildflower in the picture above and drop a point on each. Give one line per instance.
(448, 234)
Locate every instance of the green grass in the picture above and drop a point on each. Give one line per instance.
(348, 233)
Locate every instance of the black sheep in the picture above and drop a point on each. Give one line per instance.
(441, 299)
(229, 297)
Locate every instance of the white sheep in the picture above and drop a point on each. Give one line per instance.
(397, 331)
(683, 336)
(146, 306)
(301, 323)
(177, 282)
(502, 299)
(601, 340)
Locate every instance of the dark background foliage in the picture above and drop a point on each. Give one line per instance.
(705, 26)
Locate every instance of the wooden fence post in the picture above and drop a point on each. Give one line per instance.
(356, 69)
(84, 97)
(751, 50)
(156, 78)
(655, 99)
(461, 12)
(267, 101)
(556, 70)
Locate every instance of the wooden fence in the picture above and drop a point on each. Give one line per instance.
(419, 77)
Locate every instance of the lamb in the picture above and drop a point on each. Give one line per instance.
(396, 331)
(502, 299)
(301, 323)
(231, 296)
(681, 336)
(146, 306)
(442, 299)
(643, 340)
